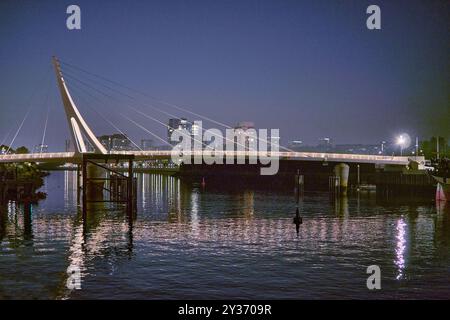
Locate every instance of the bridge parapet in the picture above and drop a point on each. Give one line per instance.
(38, 157)
(142, 155)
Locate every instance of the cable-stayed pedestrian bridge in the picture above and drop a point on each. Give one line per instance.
(86, 142)
(72, 157)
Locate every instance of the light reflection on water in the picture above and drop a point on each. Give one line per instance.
(401, 246)
(217, 242)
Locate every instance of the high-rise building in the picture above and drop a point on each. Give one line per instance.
(325, 142)
(325, 145)
(177, 124)
(196, 135)
(40, 148)
(243, 137)
(147, 144)
(295, 145)
(115, 142)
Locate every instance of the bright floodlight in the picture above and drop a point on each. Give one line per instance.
(401, 140)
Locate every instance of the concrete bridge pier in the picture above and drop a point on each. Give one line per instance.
(96, 176)
(341, 170)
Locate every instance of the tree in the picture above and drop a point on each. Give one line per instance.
(429, 147)
(3, 149)
(22, 150)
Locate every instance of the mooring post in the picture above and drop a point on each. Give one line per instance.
(78, 183)
(358, 179)
(298, 184)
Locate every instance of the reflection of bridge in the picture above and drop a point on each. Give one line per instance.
(81, 132)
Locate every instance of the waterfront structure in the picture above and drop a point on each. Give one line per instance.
(358, 148)
(116, 142)
(325, 144)
(40, 148)
(243, 135)
(147, 144)
(79, 127)
(80, 131)
(177, 124)
(295, 145)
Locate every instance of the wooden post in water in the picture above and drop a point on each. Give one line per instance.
(298, 189)
(358, 179)
(299, 186)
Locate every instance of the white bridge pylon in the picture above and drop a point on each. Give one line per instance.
(77, 126)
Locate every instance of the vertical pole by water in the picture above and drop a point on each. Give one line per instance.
(84, 173)
(298, 184)
(437, 148)
(130, 189)
(358, 179)
(417, 147)
(78, 183)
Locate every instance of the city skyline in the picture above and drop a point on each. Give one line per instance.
(266, 62)
(236, 153)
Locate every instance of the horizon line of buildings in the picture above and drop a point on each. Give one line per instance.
(121, 142)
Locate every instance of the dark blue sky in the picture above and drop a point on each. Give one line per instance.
(310, 68)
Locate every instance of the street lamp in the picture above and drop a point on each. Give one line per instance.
(401, 141)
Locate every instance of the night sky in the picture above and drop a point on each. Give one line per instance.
(310, 68)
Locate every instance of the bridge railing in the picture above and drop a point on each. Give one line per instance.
(322, 156)
(36, 156)
(286, 155)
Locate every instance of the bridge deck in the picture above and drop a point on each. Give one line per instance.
(72, 157)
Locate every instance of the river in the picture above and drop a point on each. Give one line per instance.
(193, 242)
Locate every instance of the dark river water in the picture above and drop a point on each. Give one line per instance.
(190, 242)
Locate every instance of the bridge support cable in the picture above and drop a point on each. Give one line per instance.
(159, 101)
(106, 119)
(7, 135)
(18, 129)
(103, 103)
(134, 99)
(79, 127)
(127, 118)
(69, 76)
(30, 107)
(147, 95)
(46, 118)
(146, 130)
(132, 108)
(45, 129)
(140, 112)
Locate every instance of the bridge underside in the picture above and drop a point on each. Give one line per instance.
(316, 174)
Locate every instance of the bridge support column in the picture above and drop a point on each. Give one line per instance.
(341, 170)
(96, 177)
(121, 188)
(78, 183)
